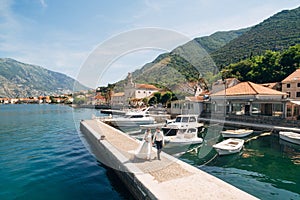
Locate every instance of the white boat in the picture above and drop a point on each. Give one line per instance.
(290, 136)
(236, 133)
(131, 119)
(184, 137)
(182, 122)
(229, 146)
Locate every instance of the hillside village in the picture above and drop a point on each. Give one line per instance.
(281, 99)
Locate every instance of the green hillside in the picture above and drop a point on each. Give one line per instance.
(23, 80)
(275, 33)
(185, 63)
(219, 39)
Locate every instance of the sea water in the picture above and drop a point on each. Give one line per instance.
(267, 167)
(42, 156)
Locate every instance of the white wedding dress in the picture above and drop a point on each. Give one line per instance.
(144, 150)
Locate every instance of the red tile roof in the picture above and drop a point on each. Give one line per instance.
(248, 88)
(295, 76)
(118, 94)
(146, 86)
(269, 85)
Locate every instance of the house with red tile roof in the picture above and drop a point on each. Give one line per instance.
(99, 99)
(291, 85)
(247, 98)
(137, 91)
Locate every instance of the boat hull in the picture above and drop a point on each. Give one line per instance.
(229, 146)
(236, 133)
(290, 137)
(174, 141)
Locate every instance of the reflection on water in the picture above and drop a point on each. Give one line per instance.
(267, 167)
(291, 150)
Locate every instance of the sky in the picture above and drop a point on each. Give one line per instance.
(60, 35)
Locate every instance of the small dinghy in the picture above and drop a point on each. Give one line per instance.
(229, 146)
(290, 137)
(237, 133)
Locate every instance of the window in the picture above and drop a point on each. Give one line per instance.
(288, 85)
(288, 94)
(298, 84)
(298, 94)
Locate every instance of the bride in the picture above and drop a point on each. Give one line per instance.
(144, 150)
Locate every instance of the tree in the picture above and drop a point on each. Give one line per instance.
(270, 67)
(79, 100)
(152, 100)
(290, 59)
(145, 101)
(166, 98)
(158, 96)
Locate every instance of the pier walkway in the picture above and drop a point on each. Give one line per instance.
(168, 178)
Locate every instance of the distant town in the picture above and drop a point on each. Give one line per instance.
(230, 97)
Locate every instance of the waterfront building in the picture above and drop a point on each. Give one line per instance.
(133, 93)
(291, 85)
(137, 91)
(191, 104)
(99, 99)
(247, 98)
(117, 99)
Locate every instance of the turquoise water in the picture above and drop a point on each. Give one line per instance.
(42, 156)
(267, 167)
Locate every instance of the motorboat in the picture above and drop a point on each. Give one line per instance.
(229, 146)
(131, 119)
(181, 122)
(184, 137)
(290, 136)
(238, 133)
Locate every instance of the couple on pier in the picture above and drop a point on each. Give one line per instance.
(144, 150)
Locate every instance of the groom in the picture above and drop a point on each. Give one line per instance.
(158, 138)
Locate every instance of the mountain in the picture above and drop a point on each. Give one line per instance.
(23, 80)
(205, 56)
(278, 32)
(185, 63)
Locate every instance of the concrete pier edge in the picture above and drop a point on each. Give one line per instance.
(144, 186)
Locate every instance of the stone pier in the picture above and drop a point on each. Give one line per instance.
(168, 178)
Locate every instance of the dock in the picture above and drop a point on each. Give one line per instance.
(168, 178)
